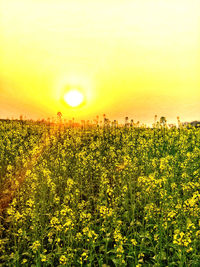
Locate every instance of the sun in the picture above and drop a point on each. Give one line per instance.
(73, 98)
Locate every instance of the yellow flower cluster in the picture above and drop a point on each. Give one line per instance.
(181, 239)
(35, 246)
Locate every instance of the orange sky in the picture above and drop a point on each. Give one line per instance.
(134, 58)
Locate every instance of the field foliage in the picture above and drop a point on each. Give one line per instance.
(108, 196)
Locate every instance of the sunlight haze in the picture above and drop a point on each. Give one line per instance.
(129, 58)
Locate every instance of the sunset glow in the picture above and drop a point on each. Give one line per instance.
(133, 58)
(73, 98)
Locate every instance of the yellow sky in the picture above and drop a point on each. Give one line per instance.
(133, 58)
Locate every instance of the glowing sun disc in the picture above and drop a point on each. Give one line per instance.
(73, 98)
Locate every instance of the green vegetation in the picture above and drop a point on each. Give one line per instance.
(126, 196)
(18, 141)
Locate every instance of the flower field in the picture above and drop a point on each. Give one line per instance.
(99, 196)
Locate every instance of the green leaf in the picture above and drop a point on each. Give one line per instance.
(117, 262)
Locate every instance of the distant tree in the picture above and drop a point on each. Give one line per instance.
(132, 121)
(163, 121)
(83, 123)
(97, 120)
(178, 121)
(126, 120)
(104, 118)
(59, 114)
